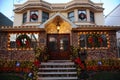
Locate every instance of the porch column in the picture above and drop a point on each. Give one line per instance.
(76, 15)
(28, 16)
(88, 15)
(40, 16)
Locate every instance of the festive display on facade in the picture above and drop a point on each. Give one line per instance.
(95, 40)
(23, 41)
(34, 16)
(82, 16)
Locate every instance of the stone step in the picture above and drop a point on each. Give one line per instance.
(56, 73)
(57, 78)
(59, 61)
(57, 70)
(73, 68)
(53, 63)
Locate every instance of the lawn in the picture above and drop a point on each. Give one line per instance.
(10, 76)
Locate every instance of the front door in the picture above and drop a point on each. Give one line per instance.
(58, 46)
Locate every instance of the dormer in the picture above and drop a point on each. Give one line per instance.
(79, 12)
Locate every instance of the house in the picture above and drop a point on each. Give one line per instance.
(78, 23)
(4, 21)
(113, 18)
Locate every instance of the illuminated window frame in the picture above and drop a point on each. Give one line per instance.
(94, 33)
(15, 36)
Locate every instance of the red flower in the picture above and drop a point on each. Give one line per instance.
(37, 63)
(79, 62)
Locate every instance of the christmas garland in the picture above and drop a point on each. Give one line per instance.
(82, 16)
(94, 40)
(34, 16)
(23, 41)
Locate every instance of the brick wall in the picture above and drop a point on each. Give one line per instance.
(110, 53)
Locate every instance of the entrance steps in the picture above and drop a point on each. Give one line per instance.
(57, 70)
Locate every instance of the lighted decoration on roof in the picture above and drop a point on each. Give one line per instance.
(23, 41)
(34, 16)
(82, 16)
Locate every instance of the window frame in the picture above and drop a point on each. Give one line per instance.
(84, 12)
(71, 16)
(98, 46)
(34, 12)
(12, 37)
(92, 17)
(24, 18)
(44, 17)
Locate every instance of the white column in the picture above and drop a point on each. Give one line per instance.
(88, 15)
(40, 16)
(28, 16)
(76, 15)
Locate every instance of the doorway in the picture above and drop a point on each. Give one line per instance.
(58, 46)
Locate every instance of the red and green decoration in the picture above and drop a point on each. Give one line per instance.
(23, 41)
(96, 40)
(82, 16)
(34, 16)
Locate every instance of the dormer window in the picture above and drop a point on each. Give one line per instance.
(82, 15)
(71, 16)
(34, 16)
(92, 16)
(25, 17)
(45, 16)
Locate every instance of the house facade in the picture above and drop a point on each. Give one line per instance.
(113, 18)
(78, 23)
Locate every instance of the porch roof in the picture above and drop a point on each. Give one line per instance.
(79, 28)
(53, 17)
(96, 27)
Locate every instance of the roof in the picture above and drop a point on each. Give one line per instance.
(79, 28)
(61, 16)
(5, 21)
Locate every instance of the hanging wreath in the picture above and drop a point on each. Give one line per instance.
(23, 41)
(82, 16)
(34, 16)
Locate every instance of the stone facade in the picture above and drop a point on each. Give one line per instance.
(70, 18)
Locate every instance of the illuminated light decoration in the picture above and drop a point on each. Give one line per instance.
(80, 32)
(82, 16)
(101, 32)
(98, 32)
(17, 64)
(84, 33)
(34, 16)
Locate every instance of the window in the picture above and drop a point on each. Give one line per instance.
(45, 16)
(93, 40)
(23, 40)
(34, 16)
(82, 15)
(25, 17)
(92, 17)
(71, 16)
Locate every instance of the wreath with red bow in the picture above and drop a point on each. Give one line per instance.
(23, 41)
(34, 16)
(82, 16)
